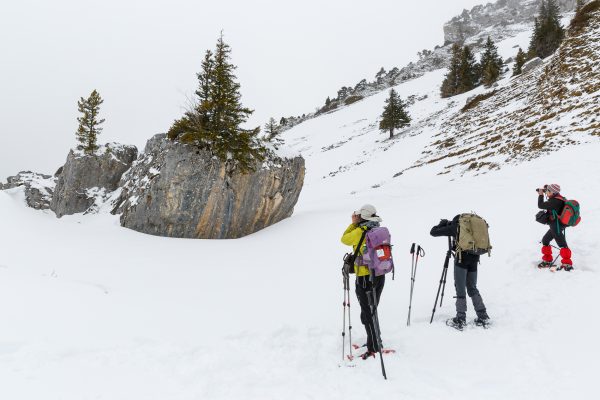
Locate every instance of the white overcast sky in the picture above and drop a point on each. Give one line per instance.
(142, 56)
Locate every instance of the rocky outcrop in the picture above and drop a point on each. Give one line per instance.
(493, 15)
(179, 191)
(83, 176)
(38, 188)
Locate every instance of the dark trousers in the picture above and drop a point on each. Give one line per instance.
(465, 282)
(364, 287)
(558, 235)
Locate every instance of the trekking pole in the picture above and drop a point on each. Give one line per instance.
(412, 269)
(344, 318)
(347, 284)
(420, 253)
(372, 297)
(442, 279)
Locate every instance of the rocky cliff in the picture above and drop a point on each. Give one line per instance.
(83, 177)
(495, 16)
(179, 191)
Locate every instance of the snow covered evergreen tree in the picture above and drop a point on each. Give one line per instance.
(490, 64)
(215, 122)
(89, 123)
(520, 60)
(394, 114)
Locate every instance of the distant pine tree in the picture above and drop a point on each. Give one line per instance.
(490, 64)
(468, 77)
(215, 122)
(394, 114)
(519, 62)
(548, 31)
(89, 124)
(450, 85)
(272, 131)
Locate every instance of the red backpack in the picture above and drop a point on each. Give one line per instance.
(570, 213)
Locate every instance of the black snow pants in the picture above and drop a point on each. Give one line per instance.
(465, 282)
(558, 235)
(363, 289)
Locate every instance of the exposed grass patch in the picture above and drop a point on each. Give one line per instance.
(580, 20)
(477, 99)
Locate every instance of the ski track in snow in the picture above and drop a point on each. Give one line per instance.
(89, 310)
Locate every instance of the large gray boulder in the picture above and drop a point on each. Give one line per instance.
(177, 190)
(84, 176)
(38, 188)
(531, 65)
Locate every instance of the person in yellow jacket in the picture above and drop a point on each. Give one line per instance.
(365, 218)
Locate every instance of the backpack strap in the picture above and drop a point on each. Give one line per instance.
(360, 242)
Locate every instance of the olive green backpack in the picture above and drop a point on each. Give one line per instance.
(473, 236)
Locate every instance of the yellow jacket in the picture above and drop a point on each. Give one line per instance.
(351, 237)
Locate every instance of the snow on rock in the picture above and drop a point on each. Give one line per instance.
(39, 188)
(83, 172)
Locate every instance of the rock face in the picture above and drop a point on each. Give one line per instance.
(38, 188)
(500, 13)
(179, 191)
(83, 176)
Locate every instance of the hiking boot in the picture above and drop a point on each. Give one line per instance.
(544, 264)
(457, 323)
(367, 354)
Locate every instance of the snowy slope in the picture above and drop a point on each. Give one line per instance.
(89, 310)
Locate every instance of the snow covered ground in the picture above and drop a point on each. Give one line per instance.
(90, 310)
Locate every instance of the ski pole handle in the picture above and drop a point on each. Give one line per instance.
(412, 249)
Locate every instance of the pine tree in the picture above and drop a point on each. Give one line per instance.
(450, 84)
(519, 62)
(490, 64)
(394, 114)
(215, 122)
(548, 31)
(468, 77)
(89, 124)
(272, 131)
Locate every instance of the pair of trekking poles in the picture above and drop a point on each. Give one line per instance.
(372, 299)
(371, 296)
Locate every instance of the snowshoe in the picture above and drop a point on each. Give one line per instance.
(544, 264)
(482, 322)
(566, 267)
(367, 354)
(456, 323)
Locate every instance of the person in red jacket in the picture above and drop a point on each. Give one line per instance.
(553, 207)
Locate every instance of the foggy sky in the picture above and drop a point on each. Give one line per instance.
(142, 56)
